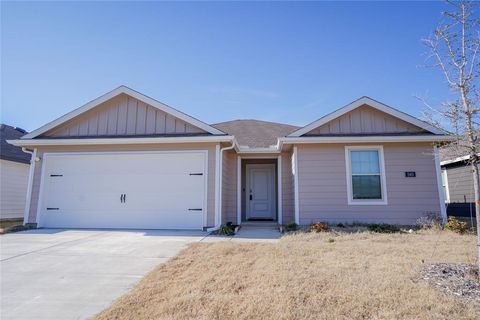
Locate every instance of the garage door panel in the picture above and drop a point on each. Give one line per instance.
(159, 189)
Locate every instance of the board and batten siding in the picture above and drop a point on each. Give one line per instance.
(365, 120)
(323, 185)
(123, 116)
(13, 188)
(460, 184)
(210, 147)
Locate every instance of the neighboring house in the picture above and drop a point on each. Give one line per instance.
(14, 166)
(458, 187)
(125, 160)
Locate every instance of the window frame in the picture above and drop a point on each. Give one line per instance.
(383, 179)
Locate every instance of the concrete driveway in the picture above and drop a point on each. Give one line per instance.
(74, 274)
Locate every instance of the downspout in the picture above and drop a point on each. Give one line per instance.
(441, 197)
(218, 196)
(31, 172)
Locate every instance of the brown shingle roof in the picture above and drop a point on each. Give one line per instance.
(255, 133)
(9, 152)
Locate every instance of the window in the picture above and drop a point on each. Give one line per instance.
(365, 175)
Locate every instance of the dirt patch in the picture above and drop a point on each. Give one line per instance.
(458, 280)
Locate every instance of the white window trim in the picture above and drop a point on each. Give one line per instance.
(383, 179)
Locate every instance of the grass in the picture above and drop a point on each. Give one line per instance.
(304, 276)
(7, 225)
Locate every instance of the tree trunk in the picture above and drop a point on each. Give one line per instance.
(476, 188)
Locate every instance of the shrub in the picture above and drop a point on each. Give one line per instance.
(330, 240)
(431, 220)
(456, 225)
(291, 227)
(341, 225)
(318, 227)
(227, 230)
(383, 228)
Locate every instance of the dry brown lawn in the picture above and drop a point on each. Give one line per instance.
(304, 276)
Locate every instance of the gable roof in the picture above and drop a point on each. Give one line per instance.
(374, 104)
(135, 94)
(255, 133)
(8, 151)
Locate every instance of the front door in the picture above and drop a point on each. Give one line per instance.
(260, 191)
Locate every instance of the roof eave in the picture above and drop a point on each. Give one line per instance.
(119, 141)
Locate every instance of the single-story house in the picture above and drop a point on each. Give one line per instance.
(14, 166)
(125, 160)
(457, 180)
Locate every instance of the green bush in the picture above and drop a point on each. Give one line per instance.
(456, 225)
(341, 225)
(227, 230)
(383, 228)
(318, 227)
(291, 227)
(330, 240)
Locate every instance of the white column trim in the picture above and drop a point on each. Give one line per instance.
(279, 190)
(28, 197)
(447, 187)
(438, 170)
(295, 184)
(217, 185)
(239, 190)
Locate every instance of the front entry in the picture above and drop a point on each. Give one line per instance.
(260, 192)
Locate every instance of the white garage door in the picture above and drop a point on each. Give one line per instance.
(128, 190)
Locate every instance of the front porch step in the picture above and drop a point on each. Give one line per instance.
(260, 224)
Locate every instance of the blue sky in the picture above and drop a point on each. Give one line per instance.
(285, 62)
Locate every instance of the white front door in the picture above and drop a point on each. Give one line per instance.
(260, 191)
(164, 190)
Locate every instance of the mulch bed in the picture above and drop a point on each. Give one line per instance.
(458, 280)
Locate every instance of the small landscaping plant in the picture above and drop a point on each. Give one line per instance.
(383, 228)
(431, 220)
(341, 225)
(318, 227)
(456, 225)
(331, 240)
(291, 227)
(227, 230)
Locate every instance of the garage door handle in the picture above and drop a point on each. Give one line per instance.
(123, 197)
(195, 209)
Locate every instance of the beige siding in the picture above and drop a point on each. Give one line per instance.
(323, 186)
(287, 189)
(364, 120)
(13, 188)
(460, 184)
(229, 187)
(123, 116)
(112, 148)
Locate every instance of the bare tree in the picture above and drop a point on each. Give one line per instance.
(454, 47)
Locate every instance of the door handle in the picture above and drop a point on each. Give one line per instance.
(251, 197)
(123, 197)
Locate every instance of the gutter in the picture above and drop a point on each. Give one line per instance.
(218, 189)
(31, 173)
(362, 139)
(130, 140)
